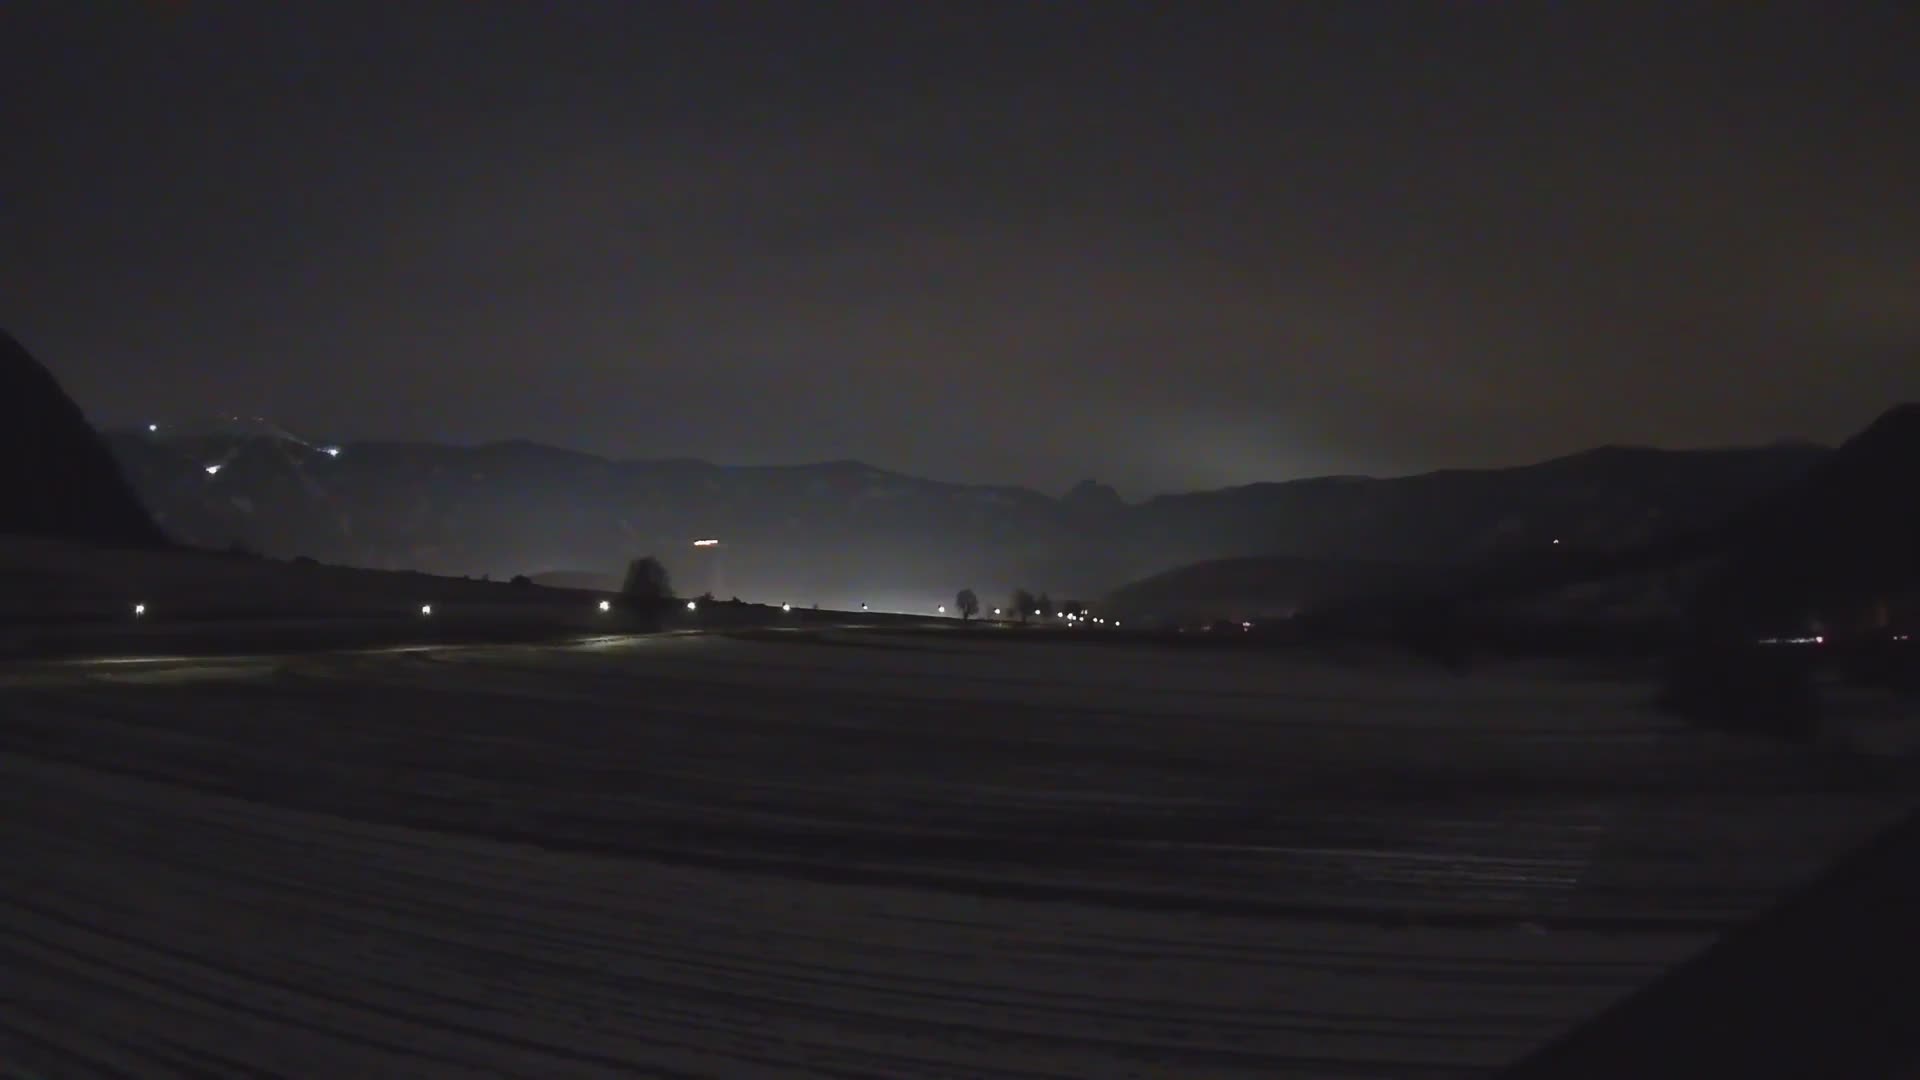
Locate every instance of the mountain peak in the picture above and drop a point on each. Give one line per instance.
(1090, 495)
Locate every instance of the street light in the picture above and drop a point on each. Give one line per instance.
(786, 607)
(214, 470)
(692, 605)
(942, 609)
(139, 610)
(426, 609)
(151, 428)
(606, 605)
(706, 543)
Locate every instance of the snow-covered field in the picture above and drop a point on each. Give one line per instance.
(846, 854)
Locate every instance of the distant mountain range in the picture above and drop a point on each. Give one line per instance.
(844, 533)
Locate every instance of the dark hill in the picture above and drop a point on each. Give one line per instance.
(1256, 588)
(57, 477)
(1844, 539)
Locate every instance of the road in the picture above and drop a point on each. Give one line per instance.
(849, 854)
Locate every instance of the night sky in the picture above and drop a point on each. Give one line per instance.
(1167, 247)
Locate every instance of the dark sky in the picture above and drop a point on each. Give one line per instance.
(1165, 246)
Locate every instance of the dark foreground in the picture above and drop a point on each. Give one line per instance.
(828, 854)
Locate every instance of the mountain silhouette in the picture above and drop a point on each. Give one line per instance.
(847, 532)
(57, 477)
(1855, 514)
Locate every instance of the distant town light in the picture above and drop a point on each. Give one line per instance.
(786, 607)
(606, 605)
(1556, 539)
(426, 609)
(706, 543)
(214, 469)
(1246, 626)
(153, 428)
(693, 605)
(139, 610)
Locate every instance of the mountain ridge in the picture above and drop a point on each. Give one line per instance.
(845, 532)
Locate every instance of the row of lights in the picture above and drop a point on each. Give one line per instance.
(426, 610)
(605, 606)
(1068, 616)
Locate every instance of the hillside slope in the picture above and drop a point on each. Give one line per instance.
(58, 478)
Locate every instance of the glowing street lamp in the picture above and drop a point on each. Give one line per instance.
(786, 607)
(942, 609)
(426, 609)
(152, 428)
(706, 543)
(693, 605)
(139, 610)
(606, 605)
(214, 469)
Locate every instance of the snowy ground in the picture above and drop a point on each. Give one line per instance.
(840, 854)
